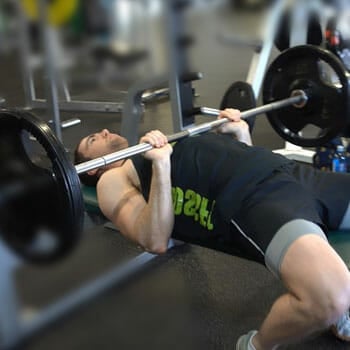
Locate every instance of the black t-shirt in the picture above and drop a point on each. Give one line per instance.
(211, 174)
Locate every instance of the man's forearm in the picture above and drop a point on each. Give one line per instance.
(156, 221)
(245, 137)
(235, 126)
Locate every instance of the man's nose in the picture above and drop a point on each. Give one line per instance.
(104, 132)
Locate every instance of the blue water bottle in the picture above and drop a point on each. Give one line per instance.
(339, 161)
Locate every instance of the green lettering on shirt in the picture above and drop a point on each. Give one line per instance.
(178, 199)
(191, 204)
(210, 225)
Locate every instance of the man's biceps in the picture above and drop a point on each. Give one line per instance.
(128, 209)
(125, 220)
(130, 201)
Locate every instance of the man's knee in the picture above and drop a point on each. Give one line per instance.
(331, 305)
(318, 278)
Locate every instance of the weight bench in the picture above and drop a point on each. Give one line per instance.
(339, 240)
(90, 200)
(92, 209)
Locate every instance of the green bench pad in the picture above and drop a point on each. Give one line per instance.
(340, 240)
(90, 200)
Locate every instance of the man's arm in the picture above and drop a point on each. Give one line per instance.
(149, 223)
(237, 127)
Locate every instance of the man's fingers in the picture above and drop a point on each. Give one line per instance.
(155, 138)
(230, 113)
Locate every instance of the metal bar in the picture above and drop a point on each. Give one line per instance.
(113, 157)
(150, 96)
(15, 326)
(70, 105)
(241, 41)
(10, 321)
(68, 123)
(84, 294)
(180, 92)
(82, 106)
(143, 147)
(25, 55)
(262, 109)
(65, 89)
(133, 106)
(259, 62)
(48, 35)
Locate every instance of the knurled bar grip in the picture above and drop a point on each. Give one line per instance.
(202, 128)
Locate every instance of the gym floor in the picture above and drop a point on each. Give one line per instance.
(190, 298)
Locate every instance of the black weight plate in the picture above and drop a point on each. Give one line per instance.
(41, 206)
(326, 82)
(240, 95)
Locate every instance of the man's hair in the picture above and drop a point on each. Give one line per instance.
(85, 178)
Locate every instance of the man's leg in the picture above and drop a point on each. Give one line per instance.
(341, 329)
(318, 284)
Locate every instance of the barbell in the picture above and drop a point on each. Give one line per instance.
(298, 99)
(41, 205)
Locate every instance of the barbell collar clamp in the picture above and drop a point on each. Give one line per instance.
(303, 102)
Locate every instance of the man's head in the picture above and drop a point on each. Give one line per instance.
(94, 146)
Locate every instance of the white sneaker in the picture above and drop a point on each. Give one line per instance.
(243, 341)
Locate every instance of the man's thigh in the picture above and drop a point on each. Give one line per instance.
(308, 201)
(276, 201)
(303, 271)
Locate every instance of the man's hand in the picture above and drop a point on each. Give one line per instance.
(236, 126)
(161, 148)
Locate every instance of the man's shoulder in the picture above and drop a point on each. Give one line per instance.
(123, 176)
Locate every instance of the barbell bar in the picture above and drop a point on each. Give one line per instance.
(298, 99)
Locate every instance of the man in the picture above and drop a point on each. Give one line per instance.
(224, 193)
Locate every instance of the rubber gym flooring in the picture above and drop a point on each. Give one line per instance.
(191, 298)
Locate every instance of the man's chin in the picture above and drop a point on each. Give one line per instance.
(118, 145)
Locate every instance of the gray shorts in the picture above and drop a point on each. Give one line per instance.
(294, 201)
(283, 239)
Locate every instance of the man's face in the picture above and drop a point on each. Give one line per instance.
(101, 143)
